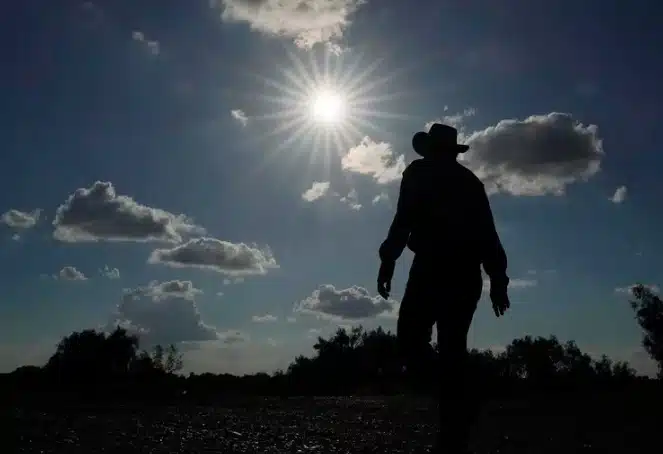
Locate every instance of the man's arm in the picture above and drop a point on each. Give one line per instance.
(493, 255)
(399, 231)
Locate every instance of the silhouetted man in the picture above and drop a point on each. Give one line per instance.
(444, 217)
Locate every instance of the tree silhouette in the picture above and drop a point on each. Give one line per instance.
(648, 309)
(167, 360)
(350, 361)
(92, 358)
(174, 361)
(89, 357)
(158, 355)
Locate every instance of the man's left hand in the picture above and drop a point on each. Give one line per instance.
(500, 299)
(385, 275)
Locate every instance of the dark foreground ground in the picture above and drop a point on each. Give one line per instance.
(604, 424)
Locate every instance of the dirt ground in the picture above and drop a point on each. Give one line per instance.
(609, 424)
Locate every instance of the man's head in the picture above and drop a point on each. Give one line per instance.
(439, 141)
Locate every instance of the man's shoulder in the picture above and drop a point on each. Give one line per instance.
(458, 171)
(415, 164)
(468, 174)
(413, 168)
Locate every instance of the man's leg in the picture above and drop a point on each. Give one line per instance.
(459, 404)
(414, 332)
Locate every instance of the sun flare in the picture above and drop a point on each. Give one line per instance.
(327, 106)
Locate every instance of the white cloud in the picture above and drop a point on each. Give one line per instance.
(352, 303)
(233, 259)
(20, 220)
(539, 155)
(98, 213)
(70, 273)
(110, 273)
(164, 312)
(291, 319)
(514, 283)
(620, 195)
(548, 272)
(167, 289)
(352, 200)
(267, 318)
(152, 46)
(629, 288)
(456, 120)
(375, 159)
(236, 280)
(307, 21)
(316, 191)
(240, 116)
(382, 197)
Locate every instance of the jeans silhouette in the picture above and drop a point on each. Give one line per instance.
(448, 300)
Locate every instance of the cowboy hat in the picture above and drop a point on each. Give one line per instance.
(439, 138)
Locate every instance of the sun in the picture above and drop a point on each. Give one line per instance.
(328, 106)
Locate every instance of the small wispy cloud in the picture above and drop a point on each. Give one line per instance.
(236, 280)
(240, 116)
(514, 283)
(313, 333)
(152, 46)
(267, 318)
(352, 200)
(544, 272)
(316, 191)
(70, 273)
(110, 273)
(456, 120)
(20, 220)
(628, 289)
(620, 195)
(382, 197)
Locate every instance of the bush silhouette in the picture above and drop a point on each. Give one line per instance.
(350, 361)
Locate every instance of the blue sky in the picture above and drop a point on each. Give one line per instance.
(164, 168)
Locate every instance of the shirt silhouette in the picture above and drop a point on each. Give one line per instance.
(443, 215)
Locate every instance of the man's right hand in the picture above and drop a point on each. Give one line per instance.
(385, 275)
(499, 298)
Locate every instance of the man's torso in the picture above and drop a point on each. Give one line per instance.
(446, 211)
